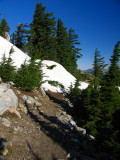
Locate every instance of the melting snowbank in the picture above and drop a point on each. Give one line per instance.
(18, 56)
(58, 73)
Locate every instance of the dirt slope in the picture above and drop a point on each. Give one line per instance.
(37, 135)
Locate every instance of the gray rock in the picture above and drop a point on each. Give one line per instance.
(8, 98)
(43, 92)
(28, 101)
(72, 122)
(7, 36)
(23, 108)
(24, 97)
(5, 120)
(0, 79)
(4, 152)
(38, 104)
(3, 143)
(14, 110)
(90, 137)
(36, 98)
(4, 87)
(31, 99)
(81, 131)
(68, 156)
(16, 129)
(1, 158)
(18, 92)
(12, 83)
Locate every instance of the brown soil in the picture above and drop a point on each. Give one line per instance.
(39, 136)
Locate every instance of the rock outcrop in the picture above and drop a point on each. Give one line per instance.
(7, 36)
(8, 99)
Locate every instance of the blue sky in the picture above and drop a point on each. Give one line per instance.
(97, 22)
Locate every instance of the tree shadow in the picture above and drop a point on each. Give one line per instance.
(62, 103)
(58, 131)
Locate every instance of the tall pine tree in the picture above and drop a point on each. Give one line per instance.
(98, 65)
(20, 37)
(75, 50)
(64, 46)
(109, 128)
(42, 41)
(4, 27)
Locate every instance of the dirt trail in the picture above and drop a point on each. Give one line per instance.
(37, 135)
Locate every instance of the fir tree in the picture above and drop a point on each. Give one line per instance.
(29, 76)
(88, 104)
(75, 52)
(13, 38)
(98, 65)
(110, 102)
(74, 41)
(64, 47)
(7, 69)
(42, 41)
(20, 37)
(114, 69)
(4, 27)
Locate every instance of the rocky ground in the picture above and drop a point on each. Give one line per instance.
(43, 129)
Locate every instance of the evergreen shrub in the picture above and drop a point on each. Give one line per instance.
(29, 76)
(51, 67)
(56, 84)
(7, 69)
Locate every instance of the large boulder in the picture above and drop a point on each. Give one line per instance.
(8, 99)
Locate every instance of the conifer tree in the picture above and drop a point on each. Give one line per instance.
(67, 52)
(4, 27)
(75, 52)
(20, 37)
(114, 67)
(13, 38)
(7, 69)
(89, 105)
(29, 76)
(42, 41)
(110, 102)
(64, 46)
(98, 65)
(74, 41)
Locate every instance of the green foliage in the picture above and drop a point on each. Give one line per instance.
(114, 69)
(19, 38)
(110, 99)
(74, 41)
(82, 76)
(67, 54)
(42, 40)
(4, 27)
(56, 84)
(51, 67)
(74, 92)
(98, 65)
(48, 42)
(7, 70)
(97, 108)
(29, 76)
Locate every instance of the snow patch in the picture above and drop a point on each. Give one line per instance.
(58, 73)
